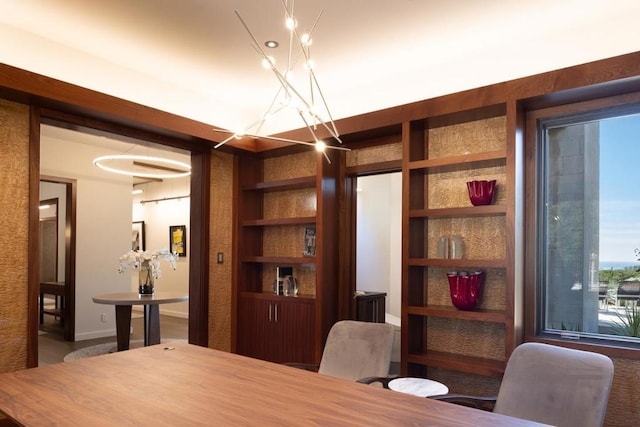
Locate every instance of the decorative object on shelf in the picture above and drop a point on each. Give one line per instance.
(481, 192)
(290, 286)
(309, 242)
(457, 247)
(288, 98)
(148, 264)
(279, 283)
(443, 247)
(465, 288)
(178, 239)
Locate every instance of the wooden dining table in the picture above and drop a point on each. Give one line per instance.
(179, 384)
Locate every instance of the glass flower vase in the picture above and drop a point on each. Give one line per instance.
(145, 283)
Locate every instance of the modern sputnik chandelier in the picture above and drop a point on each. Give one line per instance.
(310, 107)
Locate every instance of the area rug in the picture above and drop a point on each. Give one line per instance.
(106, 348)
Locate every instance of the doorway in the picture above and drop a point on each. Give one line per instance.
(57, 253)
(379, 243)
(108, 211)
(379, 239)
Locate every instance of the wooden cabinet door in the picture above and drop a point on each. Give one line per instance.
(295, 331)
(247, 326)
(256, 327)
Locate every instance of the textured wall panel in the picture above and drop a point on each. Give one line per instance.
(624, 405)
(376, 154)
(221, 233)
(14, 217)
(291, 166)
(470, 137)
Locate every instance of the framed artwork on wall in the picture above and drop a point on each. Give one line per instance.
(137, 236)
(178, 239)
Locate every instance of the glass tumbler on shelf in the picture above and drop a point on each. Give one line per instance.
(457, 247)
(443, 247)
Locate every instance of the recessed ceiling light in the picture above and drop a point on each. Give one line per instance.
(271, 44)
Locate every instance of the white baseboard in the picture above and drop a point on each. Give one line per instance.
(96, 334)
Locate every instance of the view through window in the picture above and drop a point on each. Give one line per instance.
(590, 229)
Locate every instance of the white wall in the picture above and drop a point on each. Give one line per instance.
(158, 217)
(379, 238)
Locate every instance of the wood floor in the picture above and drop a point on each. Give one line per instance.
(52, 347)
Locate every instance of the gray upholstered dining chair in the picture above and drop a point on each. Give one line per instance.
(552, 385)
(355, 350)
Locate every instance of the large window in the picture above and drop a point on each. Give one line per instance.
(588, 226)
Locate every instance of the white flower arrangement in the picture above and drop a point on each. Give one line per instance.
(135, 260)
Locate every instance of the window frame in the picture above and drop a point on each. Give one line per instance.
(534, 220)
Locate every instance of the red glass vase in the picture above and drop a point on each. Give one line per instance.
(465, 288)
(481, 192)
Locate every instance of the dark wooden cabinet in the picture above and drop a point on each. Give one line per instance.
(370, 307)
(276, 328)
(280, 199)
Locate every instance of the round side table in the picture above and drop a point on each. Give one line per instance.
(421, 387)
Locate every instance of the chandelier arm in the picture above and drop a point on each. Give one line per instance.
(270, 111)
(315, 137)
(288, 87)
(255, 41)
(220, 144)
(235, 134)
(313, 102)
(304, 50)
(326, 156)
(288, 140)
(326, 107)
(292, 32)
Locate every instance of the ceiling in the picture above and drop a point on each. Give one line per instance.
(193, 57)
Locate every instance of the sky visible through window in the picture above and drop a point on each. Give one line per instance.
(619, 191)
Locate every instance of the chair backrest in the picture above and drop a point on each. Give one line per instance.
(356, 350)
(556, 385)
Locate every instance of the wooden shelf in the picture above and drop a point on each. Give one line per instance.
(438, 166)
(459, 160)
(456, 362)
(279, 221)
(459, 212)
(283, 185)
(279, 260)
(457, 263)
(494, 316)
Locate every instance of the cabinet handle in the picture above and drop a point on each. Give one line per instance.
(276, 311)
(269, 312)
